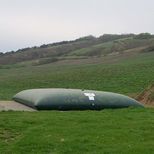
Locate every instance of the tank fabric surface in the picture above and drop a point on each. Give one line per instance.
(73, 99)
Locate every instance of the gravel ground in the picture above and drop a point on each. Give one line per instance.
(14, 106)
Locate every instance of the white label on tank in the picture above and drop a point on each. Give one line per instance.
(91, 96)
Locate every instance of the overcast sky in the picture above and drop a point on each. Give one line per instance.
(25, 23)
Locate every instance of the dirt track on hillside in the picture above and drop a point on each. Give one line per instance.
(13, 106)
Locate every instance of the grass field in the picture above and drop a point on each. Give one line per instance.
(125, 75)
(96, 132)
(109, 131)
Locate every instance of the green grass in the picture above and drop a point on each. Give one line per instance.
(109, 131)
(126, 76)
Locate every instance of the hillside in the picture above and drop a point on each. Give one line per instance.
(85, 47)
(117, 63)
(126, 74)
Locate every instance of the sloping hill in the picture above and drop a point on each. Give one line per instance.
(126, 74)
(81, 48)
(118, 46)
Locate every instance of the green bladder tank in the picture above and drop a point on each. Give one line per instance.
(73, 99)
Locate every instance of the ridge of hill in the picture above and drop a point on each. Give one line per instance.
(84, 47)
